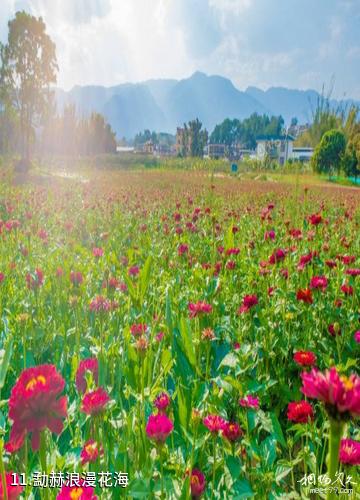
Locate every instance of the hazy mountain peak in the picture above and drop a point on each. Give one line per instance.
(164, 104)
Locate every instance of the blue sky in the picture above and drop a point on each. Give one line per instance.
(291, 43)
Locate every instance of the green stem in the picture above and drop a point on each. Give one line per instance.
(2, 472)
(214, 464)
(336, 430)
(43, 459)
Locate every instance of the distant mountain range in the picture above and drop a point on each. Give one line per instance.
(162, 105)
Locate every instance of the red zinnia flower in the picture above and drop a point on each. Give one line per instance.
(197, 483)
(249, 301)
(80, 492)
(334, 328)
(349, 452)
(347, 289)
(138, 329)
(94, 402)
(277, 256)
(353, 272)
(13, 492)
(159, 427)
(305, 295)
(86, 365)
(305, 358)
(35, 280)
(214, 423)
(300, 412)
(232, 431)
(315, 219)
(90, 452)
(33, 405)
(182, 249)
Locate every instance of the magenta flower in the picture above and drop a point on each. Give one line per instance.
(349, 452)
(199, 308)
(248, 302)
(249, 402)
(159, 427)
(86, 365)
(340, 394)
(319, 283)
(100, 304)
(357, 336)
(214, 423)
(162, 401)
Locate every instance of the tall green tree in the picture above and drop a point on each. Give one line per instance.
(28, 68)
(329, 153)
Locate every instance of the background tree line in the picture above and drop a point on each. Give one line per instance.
(246, 132)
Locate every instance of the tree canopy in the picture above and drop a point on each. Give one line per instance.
(28, 68)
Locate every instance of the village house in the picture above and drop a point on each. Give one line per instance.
(279, 148)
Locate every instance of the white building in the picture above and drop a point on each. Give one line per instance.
(276, 148)
(302, 154)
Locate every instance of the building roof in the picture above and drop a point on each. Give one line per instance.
(263, 138)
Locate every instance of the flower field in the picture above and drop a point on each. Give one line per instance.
(174, 335)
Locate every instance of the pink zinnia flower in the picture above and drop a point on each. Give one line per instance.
(162, 401)
(248, 302)
(349, 452)
(76, 277)
(319, 283)
(353, 272)
(36, 404)
(277, 256)
(357, 336)
(159, 427)
(214, 423)
(90, 452)
(80, 492)
(100, 304)
(95, 402)
(97, 252)
(340, 394)
(134, 271)
(249, 402)
(13, 492)
(199, 308)
(182, 249)
(86, 365)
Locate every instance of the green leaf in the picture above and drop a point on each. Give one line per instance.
(234, 466)
(229, 238)
(145, 277)
(140, 488)
(277, 431)
(230, 360)
(242, 489)
(5, 360)
(187, 341)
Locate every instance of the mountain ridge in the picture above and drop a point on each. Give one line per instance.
(164, 104)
